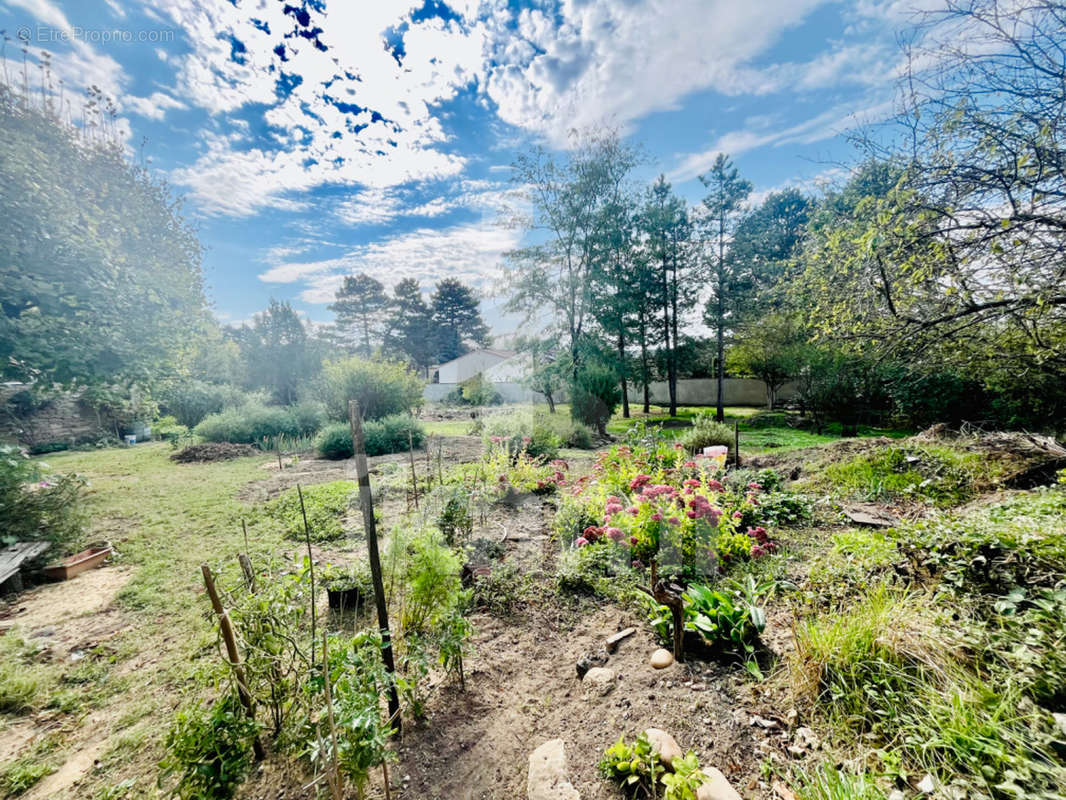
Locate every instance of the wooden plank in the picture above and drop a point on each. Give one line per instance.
(13, 557)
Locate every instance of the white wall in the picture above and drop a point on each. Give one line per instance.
(704, 392)
(510, 370)
(510, 392)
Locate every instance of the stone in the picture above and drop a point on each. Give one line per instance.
(548, 779)
(1060, 720)
(716, 787)
(926, 785)
(616, 638)
(665, 745)
(591, 659)
(662, 658)
(805, 737)
(599, 679)
(782, 792)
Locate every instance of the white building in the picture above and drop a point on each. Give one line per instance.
(460, 369)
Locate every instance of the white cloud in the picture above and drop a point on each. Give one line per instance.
(380, 206)
(154, 107)
(471, 253)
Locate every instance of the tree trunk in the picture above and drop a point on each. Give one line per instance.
(551, 402)
(645, 373)
(673, 350)
(622, 373)
(666, 338)
(719, 413)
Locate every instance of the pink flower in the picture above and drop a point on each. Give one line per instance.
(633, 540)
(717, 450)
(581, 541)
(690, 464)
(656, 517)
(737, 515)
(714, 486)
(633, 510)
(527, 439)
(692, 482)
(754, 486)
(678, 446)
(497, 439)
(674, 521)
(639, 481)
(612, 508)
(614, 534)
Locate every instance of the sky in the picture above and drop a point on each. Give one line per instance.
(380, 140)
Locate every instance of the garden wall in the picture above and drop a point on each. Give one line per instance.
(63, 419)
(509, 391)
(704, 392)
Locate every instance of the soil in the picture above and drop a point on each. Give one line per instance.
(213, 451)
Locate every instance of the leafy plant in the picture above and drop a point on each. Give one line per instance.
(209, 749)
(392, 434)
(382, 388)
(326, 505)
(594, 396)
(707, 432)
(36, 505)
(639, 772)
(253, 422)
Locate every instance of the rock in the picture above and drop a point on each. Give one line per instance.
(1060, 720)
(926, 785)
(665, 745)
(716, 787)
(590, 660)
(805, 737)
(897, 795)
(782, 792)
(616, 638)
(547, 774)
(662, 658)
(599, 679)
(762, 722)
(872, 515)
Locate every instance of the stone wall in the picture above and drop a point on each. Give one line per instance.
(64, 419)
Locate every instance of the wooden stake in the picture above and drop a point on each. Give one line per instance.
(334, 781)
(232, 654)
(736, 443)
(246, 568)
(311, 567)
(366, 501)
(414, 475)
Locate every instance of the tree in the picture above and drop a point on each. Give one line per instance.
(277, 352)
(666, 232)
(546, 373)
(962, 259)
(411, 330)
(457, 320)
(100, 276)
(553, 278)
(360, 306)
(765, 245)
(772, 349)
(728, 278)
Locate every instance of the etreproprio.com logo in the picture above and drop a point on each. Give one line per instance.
(48, 34)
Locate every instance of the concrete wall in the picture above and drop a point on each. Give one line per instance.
(704, 392)
(511, 370)
(510, 392)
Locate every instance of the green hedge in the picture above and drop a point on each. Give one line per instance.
(252, 423)
(387, 435)
(383, 388)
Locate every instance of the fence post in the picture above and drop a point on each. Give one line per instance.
(366, 502)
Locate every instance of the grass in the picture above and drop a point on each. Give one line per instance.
(164, 519)
(447, 427)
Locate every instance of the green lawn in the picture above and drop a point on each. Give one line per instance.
(459, 427)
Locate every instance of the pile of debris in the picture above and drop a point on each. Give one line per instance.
(213, 451)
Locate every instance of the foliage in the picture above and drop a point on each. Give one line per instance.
(189, 401)
(253, 423)
(382, 388)
(455, 523)
(396, 433)
(637, 770)
(501, 590)
(101, 280)
(209, 749)
(457, 320)
(706, 432)
(36, 505)
(431, 577)
(599, 571)
(828, 783)
(277, 353)
(360, 306)
(410, 328)
(476, 391)
(772, 349)
(326, 505)
(594, 396)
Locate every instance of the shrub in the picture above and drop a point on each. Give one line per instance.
(190, 401)
(594, 396)
(476, 391)
(36, 505)
(381, 436)
(326, 505)
(382, 388)
(707, 432)
(210, 749)
(638, 770)
(252, 423)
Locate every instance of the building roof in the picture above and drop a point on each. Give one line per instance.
(498, 352)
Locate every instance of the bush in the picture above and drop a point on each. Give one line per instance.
(518, 426)
(383, 436)
(326, 505)
(382, 388)
(190, 401)
(707, 432)
(594, 396)
(210, 749)
(477, 391)
(36, 505)
(252, 423)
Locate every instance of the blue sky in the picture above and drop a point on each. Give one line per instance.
(382, 143)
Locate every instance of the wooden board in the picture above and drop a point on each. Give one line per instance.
(12, 558)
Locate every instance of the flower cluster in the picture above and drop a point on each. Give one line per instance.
(761, 542)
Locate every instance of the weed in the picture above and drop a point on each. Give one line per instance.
(826, 783)
(326, 505)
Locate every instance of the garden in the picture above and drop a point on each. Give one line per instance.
(664, 622)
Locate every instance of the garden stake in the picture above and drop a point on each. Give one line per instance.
(736, 443)
(233, 655)
(366, 501)
(244, 527)
(429, 466)
(311, 567)
(414, 475)
(246, 568)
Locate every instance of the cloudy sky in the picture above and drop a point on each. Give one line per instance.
(380, 139)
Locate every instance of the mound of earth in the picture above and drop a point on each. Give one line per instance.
(213, 451)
